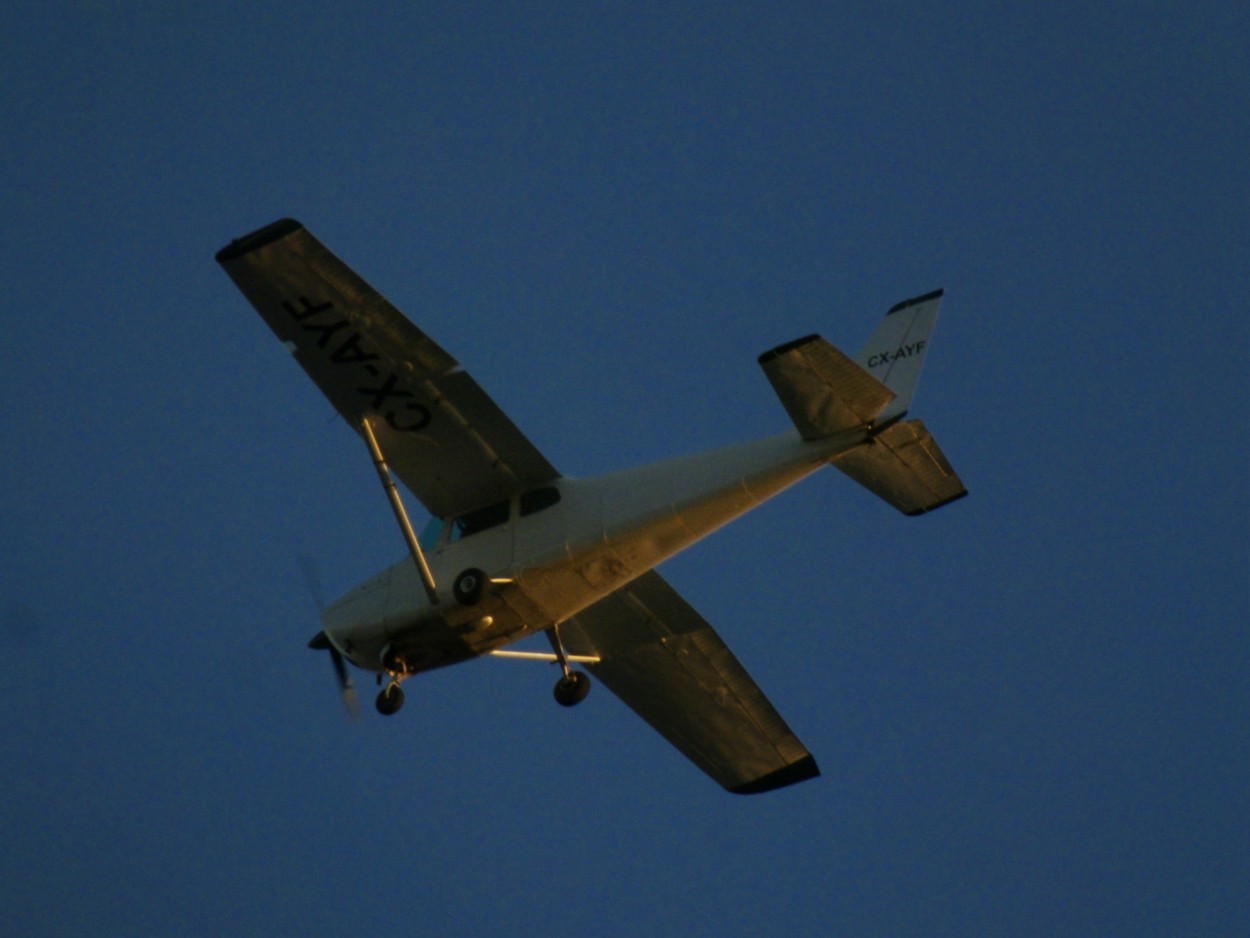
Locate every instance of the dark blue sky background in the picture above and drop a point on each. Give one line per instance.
(1032, 708)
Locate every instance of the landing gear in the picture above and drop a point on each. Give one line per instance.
(390, 699)
(470, 586)
(572, 689)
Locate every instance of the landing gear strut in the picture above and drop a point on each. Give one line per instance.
(573, 686)
(391, 697)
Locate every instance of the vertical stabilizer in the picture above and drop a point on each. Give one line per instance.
(896, 352)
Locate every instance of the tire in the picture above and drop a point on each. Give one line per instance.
(390, 700)
(469, 587)
(572, 690)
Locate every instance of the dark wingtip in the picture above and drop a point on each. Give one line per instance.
(258, 239)
(791, 774)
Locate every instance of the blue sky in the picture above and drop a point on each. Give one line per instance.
(1031, 708)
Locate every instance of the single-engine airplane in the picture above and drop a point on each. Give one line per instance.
(526, 549)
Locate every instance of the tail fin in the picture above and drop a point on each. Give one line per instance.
(895, 354)
(826, 393)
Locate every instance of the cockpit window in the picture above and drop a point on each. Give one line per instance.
(539, 499)
(474, 521)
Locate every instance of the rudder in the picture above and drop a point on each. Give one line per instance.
(896, 352)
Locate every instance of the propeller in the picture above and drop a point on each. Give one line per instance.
(350, 701)
(322, 641)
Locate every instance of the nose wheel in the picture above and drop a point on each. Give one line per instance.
(390, 699)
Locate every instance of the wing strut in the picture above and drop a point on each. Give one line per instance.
(401, 516)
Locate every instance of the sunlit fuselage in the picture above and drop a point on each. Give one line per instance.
(602, 533)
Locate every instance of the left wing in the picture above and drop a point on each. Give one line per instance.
(659, 656)
(445, 439)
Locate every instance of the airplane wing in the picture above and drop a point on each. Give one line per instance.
(445, 439)
(665, 662)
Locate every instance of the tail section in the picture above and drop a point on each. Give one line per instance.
(823, 391)
(827, 393)
(904, 466)
(895, 354)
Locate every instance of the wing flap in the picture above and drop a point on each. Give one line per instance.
(667, 664)
(442, 435)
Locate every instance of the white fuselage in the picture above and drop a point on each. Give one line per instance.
(600, 534)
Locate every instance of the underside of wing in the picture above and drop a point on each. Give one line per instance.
(664, 661)
(442, 435)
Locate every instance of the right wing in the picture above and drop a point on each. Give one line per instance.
(664, 661)
(445, 439)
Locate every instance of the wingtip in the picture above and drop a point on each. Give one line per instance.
(257, 239)
(791, 774)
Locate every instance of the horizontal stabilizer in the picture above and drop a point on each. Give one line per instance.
(904, 466)
(822, 390)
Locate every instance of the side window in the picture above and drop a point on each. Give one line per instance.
(474, 521)
(539, 499)
(429, 534)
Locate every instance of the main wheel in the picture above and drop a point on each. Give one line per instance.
(390, 699)
(469, 587)
(572, 689)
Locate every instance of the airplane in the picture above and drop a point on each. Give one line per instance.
(527, 549)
